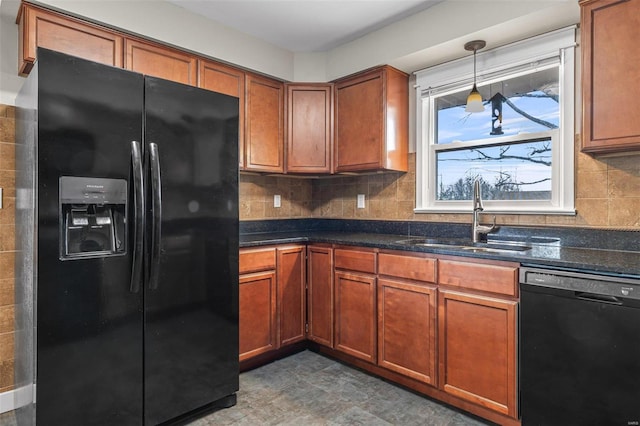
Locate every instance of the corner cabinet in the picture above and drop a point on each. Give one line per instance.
(291, 301)
(42, 28)
(371, 121)
(477, 333)
(264, 124)
(309, 127)
(320, 294)
(610, 74)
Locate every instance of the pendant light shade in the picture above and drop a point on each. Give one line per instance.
(474, 100)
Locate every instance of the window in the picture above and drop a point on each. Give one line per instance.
(520, 148)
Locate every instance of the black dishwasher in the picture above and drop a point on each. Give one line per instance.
(579, 348)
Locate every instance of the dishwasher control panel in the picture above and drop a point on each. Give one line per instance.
(604, 285)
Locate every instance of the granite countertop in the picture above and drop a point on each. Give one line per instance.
(552, 253)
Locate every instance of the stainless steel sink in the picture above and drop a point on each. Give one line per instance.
(486, 249)
(490, 247)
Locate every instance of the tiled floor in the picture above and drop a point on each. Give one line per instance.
(308, 389)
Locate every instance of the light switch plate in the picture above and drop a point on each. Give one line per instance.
(276, 201)
(360, 201)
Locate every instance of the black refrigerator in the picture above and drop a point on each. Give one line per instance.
(127, 231)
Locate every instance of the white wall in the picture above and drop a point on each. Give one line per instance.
(427, 38)
(10, 83)
(438, 34)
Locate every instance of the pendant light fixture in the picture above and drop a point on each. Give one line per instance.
(474, 100)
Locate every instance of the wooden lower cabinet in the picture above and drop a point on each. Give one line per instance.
(444, 326)
(477, 349)
(291, 300)
(320, 294)
(257, 299)
(407, 329)
(355, 314)
(272, 298)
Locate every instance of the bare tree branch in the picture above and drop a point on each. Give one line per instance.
(529, 116)
(546, 95)
(503, 156)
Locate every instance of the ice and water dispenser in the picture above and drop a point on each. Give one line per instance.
(93, 217)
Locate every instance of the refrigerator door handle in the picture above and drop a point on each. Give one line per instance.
(138, 217)
(156, 215)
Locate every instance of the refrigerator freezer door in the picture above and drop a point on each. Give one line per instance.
(89, 324)
(191, 304)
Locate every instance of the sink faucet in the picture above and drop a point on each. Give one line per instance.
(478, 229)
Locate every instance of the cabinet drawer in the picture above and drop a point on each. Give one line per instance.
(407, 266)
(498, 279)
(257, 260)
(355, 260)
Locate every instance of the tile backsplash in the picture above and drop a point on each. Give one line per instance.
(607, 196)
(7, 245)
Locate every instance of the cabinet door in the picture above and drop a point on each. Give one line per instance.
(309, 127)
(320, 294)
(359, 123)
(258, 329)
(372, 121)
(42, 28)
(291, 294)
(160, 61)
(477, 349)
(229, 81)
(407, 329)
(264, 121)
(610, 99)
(355, 315)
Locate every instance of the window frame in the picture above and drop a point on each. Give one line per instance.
(542, 52)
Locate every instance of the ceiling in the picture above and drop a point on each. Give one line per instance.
(306, 25)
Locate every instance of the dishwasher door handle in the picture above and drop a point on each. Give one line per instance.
(599, 298)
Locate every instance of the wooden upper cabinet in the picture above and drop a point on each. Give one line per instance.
(42, 28)
(264, 124)
(160, 61)
(610, 75)
(371, 121)
(309, 128)
(229, 81)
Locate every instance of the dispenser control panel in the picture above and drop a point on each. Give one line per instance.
(93, 217)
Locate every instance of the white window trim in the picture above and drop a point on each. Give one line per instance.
(458, 75)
